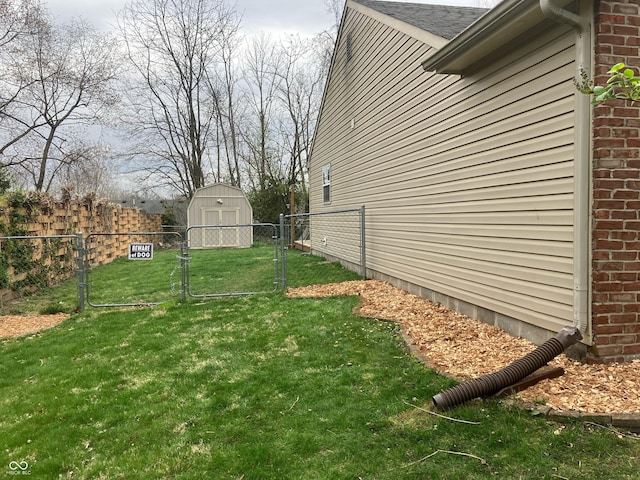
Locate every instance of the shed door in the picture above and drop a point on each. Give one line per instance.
(221, 236)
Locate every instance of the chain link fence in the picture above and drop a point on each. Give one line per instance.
(29, 264)
(232, 259)
(313, 239)
(142, 268)
(129, 269)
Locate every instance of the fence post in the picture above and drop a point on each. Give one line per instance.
(183, 268)
(363, 247)
(81, 274)
(283, 267)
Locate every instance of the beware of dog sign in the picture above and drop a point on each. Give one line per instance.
(140, 251)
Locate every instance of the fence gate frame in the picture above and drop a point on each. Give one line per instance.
(279, 257)
(84, 268)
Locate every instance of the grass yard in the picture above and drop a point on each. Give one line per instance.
(125, 281)
(264, 387)
(238, 270)
(210, 272)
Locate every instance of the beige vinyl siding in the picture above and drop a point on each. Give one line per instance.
(467, 181)
(338, 236)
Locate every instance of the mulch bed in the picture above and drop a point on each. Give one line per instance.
(465, 348)
(19, 325)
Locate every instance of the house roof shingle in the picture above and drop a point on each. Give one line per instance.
(443, 20)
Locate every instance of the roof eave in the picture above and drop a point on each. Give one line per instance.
(494, 29)
(428, 38)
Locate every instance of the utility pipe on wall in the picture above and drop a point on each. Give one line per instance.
(582, 161)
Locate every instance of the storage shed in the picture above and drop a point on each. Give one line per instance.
(219, 215)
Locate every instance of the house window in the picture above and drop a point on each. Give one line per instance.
(326, 183)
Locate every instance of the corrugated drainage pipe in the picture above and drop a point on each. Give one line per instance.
(511, 374)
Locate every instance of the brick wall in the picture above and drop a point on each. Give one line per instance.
(616, 192)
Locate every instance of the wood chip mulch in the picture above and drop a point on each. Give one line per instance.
(19, 325)
(466, 348)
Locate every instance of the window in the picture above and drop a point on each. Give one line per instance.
(326, 183)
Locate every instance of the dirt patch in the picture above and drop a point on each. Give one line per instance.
(19, 325)
(466, 348)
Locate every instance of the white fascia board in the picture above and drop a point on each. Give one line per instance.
(493, 30)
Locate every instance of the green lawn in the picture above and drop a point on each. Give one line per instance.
(264, 387)
(210, 272)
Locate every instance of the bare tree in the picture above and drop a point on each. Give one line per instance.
(173, 46)
(91, 172)
(194, 116)
(11, 21)
(262, 157)
(19, 20)
(335, 7)
(302, 72)
(66, 73)
(223, 86)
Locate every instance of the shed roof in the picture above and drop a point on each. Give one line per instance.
(219, 186)
(443, 20)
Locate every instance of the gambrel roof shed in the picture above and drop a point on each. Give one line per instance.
(219, 215)
(490, 183)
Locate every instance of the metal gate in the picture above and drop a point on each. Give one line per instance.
(136, 268)
(147, 268)
(232, 259)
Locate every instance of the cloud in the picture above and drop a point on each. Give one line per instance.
(271, 16)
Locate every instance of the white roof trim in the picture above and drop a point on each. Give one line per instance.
(494, 29)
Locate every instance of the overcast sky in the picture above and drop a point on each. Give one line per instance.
(306, 17)
(301, 16)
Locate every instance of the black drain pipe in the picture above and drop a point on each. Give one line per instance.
(511, 374)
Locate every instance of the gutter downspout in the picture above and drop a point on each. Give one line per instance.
(582, 162)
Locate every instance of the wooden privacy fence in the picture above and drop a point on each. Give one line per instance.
(38, 214)
(37, 237)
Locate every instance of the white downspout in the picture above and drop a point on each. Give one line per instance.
(582, 163)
